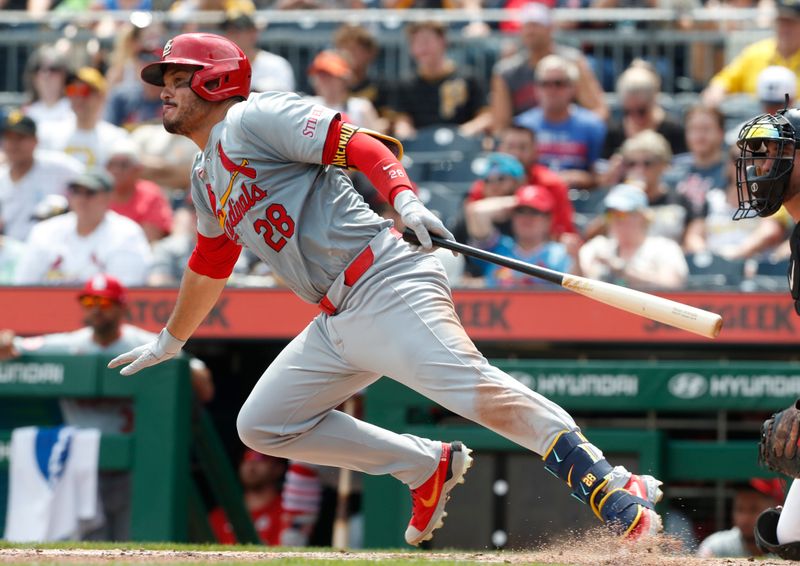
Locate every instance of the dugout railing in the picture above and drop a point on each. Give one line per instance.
(689, 423)
(170, 434)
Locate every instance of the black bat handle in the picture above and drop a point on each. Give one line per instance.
(534, 270)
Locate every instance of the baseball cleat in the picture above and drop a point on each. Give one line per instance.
(429, 499)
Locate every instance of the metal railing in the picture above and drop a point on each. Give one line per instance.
(685, 55)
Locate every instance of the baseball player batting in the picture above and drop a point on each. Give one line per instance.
(270, 178)
(767, 180)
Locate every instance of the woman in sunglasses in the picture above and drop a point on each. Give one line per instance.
(638, 88)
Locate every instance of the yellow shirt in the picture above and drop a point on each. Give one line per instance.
(740, 75)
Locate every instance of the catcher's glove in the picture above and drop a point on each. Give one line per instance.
(778, 447)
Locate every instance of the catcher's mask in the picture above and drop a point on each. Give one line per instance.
(766, 157)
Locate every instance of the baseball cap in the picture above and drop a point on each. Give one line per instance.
(19, 123)
(774, 83)
(626, 198)
(238, 20)
(535, 13)
(495, 164)
(330, 62)
(787, 8)
(94, 179)
(535, 197)
(103, 285)
(91, 77)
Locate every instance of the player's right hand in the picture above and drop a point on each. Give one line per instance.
(422, 221)
(164, 347)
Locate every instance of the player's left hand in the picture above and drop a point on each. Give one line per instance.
(164, 347)
(422, 221)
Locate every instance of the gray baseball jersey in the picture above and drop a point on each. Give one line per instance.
(259, 181)
(260, 178)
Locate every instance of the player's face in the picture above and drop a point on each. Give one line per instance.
(103, 315)
(183, 111)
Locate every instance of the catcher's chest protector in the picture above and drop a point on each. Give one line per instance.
(794, 267)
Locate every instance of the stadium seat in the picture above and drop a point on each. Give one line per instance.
(710, 271)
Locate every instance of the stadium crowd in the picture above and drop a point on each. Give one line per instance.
(536, 161)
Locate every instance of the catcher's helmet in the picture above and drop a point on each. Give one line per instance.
(223, 69)
(767, 145)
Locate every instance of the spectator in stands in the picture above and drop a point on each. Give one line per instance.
(772, 86)
(329, 75)
(90, 239)
(134, 38)
(91, 138)
(717, 233)
(165, 159)
(283, 499)
(570, 138)
(11, 252)
(783, 49)
(695, 173)
(749, 500)
(638, 88)
(514, 89)
(360, 48)
(270, 71)
(138, 199)
(103, 301)
(645, 158)
(46, 76)
(28, 175)
(439, 92)
(171, 254)
(521, 143)
(628, 255)
(530, 212)
(131, 103)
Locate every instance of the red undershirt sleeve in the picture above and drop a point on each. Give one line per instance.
(347, 147)
(214, 257)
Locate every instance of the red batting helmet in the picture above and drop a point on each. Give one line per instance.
(223, 72)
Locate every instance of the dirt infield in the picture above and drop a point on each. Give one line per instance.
(602, 551)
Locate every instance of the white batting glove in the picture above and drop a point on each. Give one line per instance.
(422, 221)
(164, 347)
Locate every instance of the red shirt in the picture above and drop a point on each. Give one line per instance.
(544, 177)
(147, 206)
(266, 519)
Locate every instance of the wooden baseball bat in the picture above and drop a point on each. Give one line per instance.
(656, 308)
(341, 526)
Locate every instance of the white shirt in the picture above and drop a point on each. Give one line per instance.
(90, 147)
(57, 254)
(657, 254)
(356, 110)
(722, 233)
(271, 72)
(723, 544)
(50, 174)
(49, 118)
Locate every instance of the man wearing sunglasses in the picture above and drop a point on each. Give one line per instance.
(103, 302)
(90, 138)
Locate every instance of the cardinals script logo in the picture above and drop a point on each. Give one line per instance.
(231, 210)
